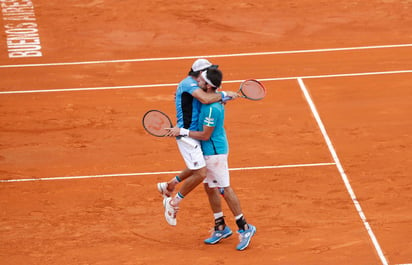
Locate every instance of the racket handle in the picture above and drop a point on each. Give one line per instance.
(227, 98)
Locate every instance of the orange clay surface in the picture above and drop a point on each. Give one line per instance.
(303, 215)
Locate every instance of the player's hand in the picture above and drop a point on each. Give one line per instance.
(232, 94)
(173, 132)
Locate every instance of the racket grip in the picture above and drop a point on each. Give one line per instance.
(227, 98)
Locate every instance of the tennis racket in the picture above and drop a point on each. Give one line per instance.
(155, 122)
(250, 89)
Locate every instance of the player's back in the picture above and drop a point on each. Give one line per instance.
(187, 106)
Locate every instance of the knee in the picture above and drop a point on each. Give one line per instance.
(212, 192)
(229, 192)
(200, 173)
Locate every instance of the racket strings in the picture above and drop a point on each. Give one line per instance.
(253, 90)
(155, 123)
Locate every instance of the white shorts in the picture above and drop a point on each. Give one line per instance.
(191, 152)
(217, 175)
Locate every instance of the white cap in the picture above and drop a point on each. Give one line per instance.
(200, 65)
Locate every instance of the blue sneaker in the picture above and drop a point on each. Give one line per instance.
(218, 235)
(245, 236)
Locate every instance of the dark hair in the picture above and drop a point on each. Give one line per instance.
(215, 76)
(194, 73)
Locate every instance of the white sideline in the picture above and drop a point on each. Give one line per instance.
(341, 171)
(159, 173)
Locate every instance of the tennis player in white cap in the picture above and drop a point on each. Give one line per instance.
(215, 147)
(188, 100)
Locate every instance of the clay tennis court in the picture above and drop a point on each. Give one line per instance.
(321, 165)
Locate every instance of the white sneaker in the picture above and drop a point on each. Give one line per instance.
(162, 188)
(170, 211)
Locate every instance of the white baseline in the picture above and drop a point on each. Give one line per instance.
(224, 82)
(212, 56)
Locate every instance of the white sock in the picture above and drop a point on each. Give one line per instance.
(176, 180)
(176, 200)
(218, 215)
(237, 217)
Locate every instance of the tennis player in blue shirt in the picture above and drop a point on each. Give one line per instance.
(188, 99)
(215, 148)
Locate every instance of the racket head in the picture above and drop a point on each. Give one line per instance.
(155, 122)
(252, 89)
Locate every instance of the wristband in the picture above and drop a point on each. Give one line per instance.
(227, 98)
(184, 132)
(223, 93)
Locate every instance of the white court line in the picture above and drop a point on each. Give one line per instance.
(210, 56)
(341, 171)
(159, 173)
(224, 82)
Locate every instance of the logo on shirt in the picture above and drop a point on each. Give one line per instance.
(209, 121)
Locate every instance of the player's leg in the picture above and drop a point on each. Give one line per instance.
(234, 205)
(232, 201)
(171, 204)
(195, 172)
(195, 162)
(166, 188)
(222, 178)
(190, 154)
(214, 198)
(246, 231)
(193, 181)
(221, 230)
(211, 184)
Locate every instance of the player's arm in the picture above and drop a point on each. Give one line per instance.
(208, 98)
(203, 135)
(198, 135)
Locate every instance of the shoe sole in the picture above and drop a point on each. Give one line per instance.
(218, 240)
